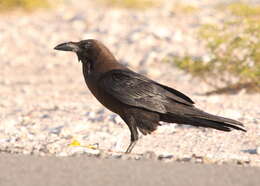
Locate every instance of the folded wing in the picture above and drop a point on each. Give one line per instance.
(136, 90)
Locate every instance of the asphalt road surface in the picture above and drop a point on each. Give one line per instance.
(21, 170)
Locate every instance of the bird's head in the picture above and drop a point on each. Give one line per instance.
(92, 53)
(86, 50)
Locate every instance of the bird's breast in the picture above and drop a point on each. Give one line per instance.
(101, 95)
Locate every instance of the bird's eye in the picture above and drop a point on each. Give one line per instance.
(88, 44)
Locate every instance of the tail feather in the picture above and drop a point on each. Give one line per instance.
(199, 118)
(204, 115)
(219, 125)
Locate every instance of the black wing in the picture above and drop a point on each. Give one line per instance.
(136, 90)
(176, 95)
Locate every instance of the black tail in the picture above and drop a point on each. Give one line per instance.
(203, 119)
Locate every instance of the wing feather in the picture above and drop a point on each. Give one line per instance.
(136, 90)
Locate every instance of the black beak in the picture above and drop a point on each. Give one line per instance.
(70, 46)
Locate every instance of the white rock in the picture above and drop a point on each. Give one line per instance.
(162, 32)
(75, 150)
(258, 150)
(178, 36)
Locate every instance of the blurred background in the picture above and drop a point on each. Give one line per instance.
(210, 50)
(217, 42)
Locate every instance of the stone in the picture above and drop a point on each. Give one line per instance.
(165, 156)
(258, 150)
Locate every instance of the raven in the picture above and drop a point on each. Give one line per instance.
(140, 101)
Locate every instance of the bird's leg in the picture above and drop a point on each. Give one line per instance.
(130, 147)
(131, 123)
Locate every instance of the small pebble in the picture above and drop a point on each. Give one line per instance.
(165, 156)
(258, 150)
(116, 156)
(150, 155)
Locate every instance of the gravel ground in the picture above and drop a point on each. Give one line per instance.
(45, 104)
